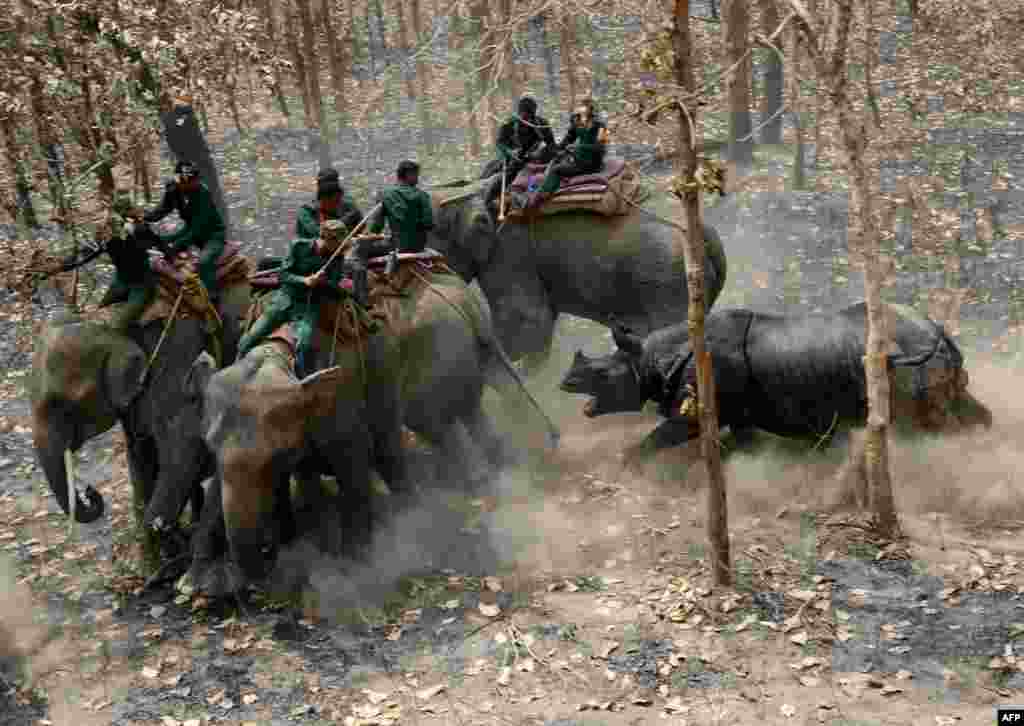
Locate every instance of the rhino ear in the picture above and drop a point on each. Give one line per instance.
(627, 342)
(579, 357)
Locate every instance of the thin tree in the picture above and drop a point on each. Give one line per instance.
(270, 19)
(688, 189)
(313, 75)
(335, 56)
(736, 27)
(828, 45)
(774, 81)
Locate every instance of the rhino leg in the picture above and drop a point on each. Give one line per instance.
(671, 432)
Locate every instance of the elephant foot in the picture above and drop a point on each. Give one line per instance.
(168, 572)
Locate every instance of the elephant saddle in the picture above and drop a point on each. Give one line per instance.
(232, 268)
(608, 192)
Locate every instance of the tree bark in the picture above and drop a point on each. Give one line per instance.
(567, 37)
(481, 15)
(272, 40)
(693, 248)
(23, 211)
(774, 80)
(799, 180)
(337, 58)
(865, 238)
(313, 73)
(423, 106)
(403, 39)
(736, 27)
(299, 61)
(462, 37)
(186, 141)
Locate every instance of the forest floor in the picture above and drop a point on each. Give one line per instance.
(573, 593)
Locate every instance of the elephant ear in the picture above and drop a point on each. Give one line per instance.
(122, 376)
(203, 367)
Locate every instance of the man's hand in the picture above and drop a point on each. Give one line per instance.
(315, 279)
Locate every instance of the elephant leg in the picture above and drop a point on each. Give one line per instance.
(482, 431)
(524, 317)
(284, 509)
(182, 465)
(210, 544)
(346, 525)
(671, 432)
(142, 467)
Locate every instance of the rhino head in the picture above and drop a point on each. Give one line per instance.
(614, 382)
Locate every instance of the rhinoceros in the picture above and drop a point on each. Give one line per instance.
(794, 376)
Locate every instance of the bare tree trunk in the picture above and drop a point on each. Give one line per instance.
(718, 520)
(469, 84)
(316, 97)
(799, 181)
(870, 59)
(299, 61)
(567, 37)
(481, 15)
(272, 40)
(22, 210)
(403, 39)
(736, 28)
(423, 108)
(50, 145)
(865, 237)
(513, 77)
(774, 80)
(337, 58)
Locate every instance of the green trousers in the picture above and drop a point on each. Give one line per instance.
(280, 308)
(131, 300)
(208, 256)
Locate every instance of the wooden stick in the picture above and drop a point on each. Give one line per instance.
(350, 236)
(501, 208)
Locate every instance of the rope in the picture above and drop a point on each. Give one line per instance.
(359, 348)
(163, 335)
(337, 324)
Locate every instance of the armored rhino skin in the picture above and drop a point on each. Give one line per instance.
(791, 375)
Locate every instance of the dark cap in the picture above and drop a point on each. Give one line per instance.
(186, 169)
(527, 106)
(407, 167)
(328, 173)
(326, 187)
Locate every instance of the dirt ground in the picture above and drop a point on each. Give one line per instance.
(573, 593)
(589, 603)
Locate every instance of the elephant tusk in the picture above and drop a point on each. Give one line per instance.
(69, 468)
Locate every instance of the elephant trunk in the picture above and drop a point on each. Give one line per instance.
(55, 452)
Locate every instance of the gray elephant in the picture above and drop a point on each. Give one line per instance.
(87, 376)
(426, 369)
(628, 267)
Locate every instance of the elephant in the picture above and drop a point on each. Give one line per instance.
(426, 369)
(795, 376)
(578, 262)
(87, 376)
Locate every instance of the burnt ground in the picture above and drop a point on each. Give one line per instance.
(610, 560)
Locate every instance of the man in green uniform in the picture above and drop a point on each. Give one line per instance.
(204, 226)
(407, 210)
(134, 284)
(590, 138)
(517, 141)
(304, 286)
(331, 203)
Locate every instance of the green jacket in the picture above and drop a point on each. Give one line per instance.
(588, 152)
(301, 262)
(307, 222)
(203, 222)
(408, 212)
(514, 135)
